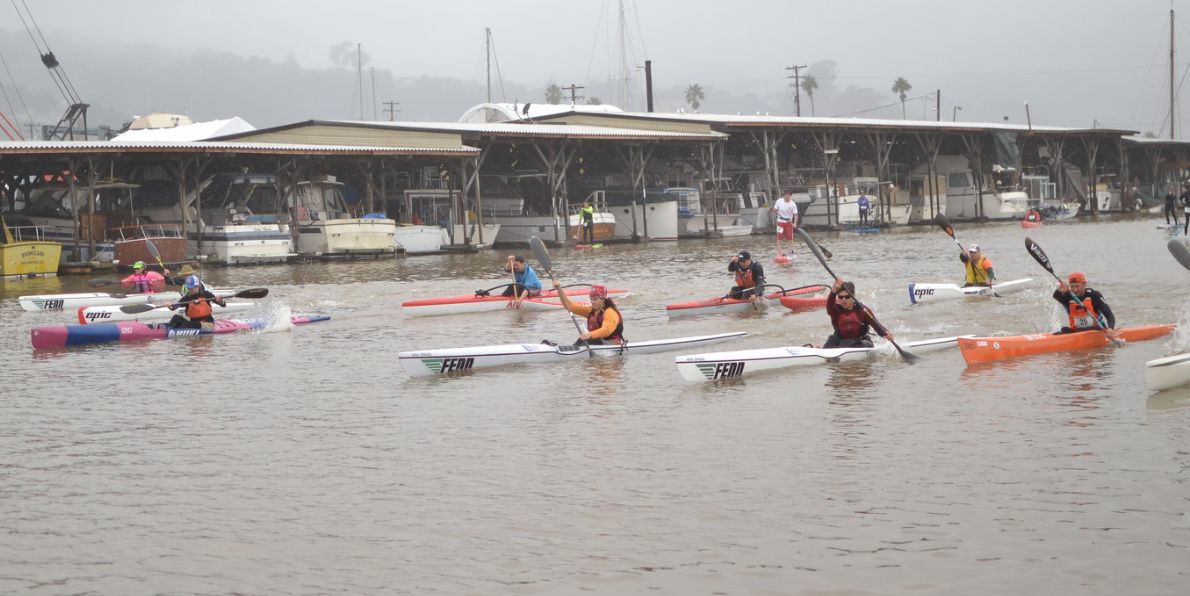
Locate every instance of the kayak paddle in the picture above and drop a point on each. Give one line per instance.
(908, 357)
(944, 223)
(543, 257)
(1039, 255)
(156, 253)
(135, 309)
(1180, 252)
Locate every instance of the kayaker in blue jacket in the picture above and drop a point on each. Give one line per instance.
(526, 282)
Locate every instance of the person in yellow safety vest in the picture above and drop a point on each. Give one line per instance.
(978, 267)
(586, 219)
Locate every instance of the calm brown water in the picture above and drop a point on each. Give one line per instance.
(307, 461)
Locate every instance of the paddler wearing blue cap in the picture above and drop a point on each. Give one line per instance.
(197, 303)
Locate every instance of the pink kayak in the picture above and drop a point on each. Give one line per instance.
(59, 336)
(453, 305)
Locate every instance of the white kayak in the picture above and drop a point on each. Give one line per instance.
(919, 293)
(422, 363)
(73, 301)
(727, 365)
(1167, 373)
(112, 313)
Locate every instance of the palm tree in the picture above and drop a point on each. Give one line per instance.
(809, 84)
(553, 94)
(694, 96)
(901, 87)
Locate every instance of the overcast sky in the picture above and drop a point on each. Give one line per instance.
(1075, 61)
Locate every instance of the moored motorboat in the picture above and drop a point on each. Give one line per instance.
(74, 301)
(113, 313)
(927, 292)
(1167, 373)
(420, 363)
(727, 365)
(60, 336)
(990, 349)
(482, 302)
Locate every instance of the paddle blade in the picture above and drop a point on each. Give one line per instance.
(944, 223)
(814, 248)
(909, 357)
(539, 251)
(825, 251)
(252, 293)
(153, 249)
(136, 309)
(1039, 255)
(1180, 252)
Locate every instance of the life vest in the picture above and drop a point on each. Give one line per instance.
(1033, 215)
(851, 324)
(587, 214)
(743, 278)
(595, 321)
(199, 308)
(1082, 314)
(977, 273)
(143, 282)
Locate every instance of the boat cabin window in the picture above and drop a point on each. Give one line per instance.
(958, 180)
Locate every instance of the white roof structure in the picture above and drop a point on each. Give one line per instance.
(504, 112)
(198, 131)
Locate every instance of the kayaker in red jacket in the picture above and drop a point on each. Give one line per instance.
(852, 321)
(1084, 305)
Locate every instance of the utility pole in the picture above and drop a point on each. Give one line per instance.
(938, 106)
(797, 87)
(572, 89)
(1171, 110)
(649, 84)
(392, 109)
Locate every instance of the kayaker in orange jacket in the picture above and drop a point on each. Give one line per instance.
(1084, 305)
(604, 323)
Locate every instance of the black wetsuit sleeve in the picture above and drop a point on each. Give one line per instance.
(963, 257)
(1101, 307)
(758, 276)
(1063, 298)
(731, 266)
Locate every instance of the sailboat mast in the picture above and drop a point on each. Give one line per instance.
(487, 49)
(1171, 107)
(625, 68)
(359, 76)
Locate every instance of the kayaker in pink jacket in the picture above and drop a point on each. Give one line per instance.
(142, 280)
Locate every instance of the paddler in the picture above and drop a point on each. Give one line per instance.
(749, 277)
(142, 280)
(978, 267)
(1084, 305)
(604, 323)
(197, 303)
(852, 321)
(526, 283)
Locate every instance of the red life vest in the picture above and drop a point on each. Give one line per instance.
(199, 308)
(851, 324)
(595, 321)
(1082, 314)
(743, 278)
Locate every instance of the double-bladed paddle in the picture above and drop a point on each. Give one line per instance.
(908, 357)
(1039, 255)
(156, 253)
(135, 309)
(543, 257)
(944, 223)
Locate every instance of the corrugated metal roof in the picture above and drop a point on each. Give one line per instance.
(220, 147)
(815, 122)
(545, 129)
(1139, 140)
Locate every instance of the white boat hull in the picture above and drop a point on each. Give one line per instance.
(417, 240)
(727, 365)
(346, 237)
(1167, 373)
(435, 362)
(111, 314)
(491, 231)
(662, 224)
(74, 301)
(1003, 205)
(927, 292)
(244, 244)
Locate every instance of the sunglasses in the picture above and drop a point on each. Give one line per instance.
(845, 296)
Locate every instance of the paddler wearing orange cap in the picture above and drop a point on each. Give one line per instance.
(1084, 305)
(604, 323)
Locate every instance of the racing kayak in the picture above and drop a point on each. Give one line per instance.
(58, 336)
(453, 305)
(111, 314)
(919, 293)
(433, 362)
(989, 349)
(727, 365)
(807, 298)
(795, 299)
(73, 301)
(1166, 373)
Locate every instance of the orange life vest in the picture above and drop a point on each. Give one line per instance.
(1082, 314)
(199, 308)
(743, 278)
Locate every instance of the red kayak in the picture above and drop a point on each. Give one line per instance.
(807, 298)
(798, 299)
(468, 303)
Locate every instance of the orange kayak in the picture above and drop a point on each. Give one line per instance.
(990, 349)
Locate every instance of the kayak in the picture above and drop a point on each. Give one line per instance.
(807, 298)
(422, 363)
(73, 301)
(989, 349)
(112, 313)
(727, 365)
(919, 293)
(58, 336)
(1030, 224)
(468, 303)
(1166, 373)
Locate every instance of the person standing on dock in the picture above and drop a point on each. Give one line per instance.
(978, 267)
(865, 205)
(1171, 207)
(749, 277)
(586, 219)
(787, 220)
(525, 280)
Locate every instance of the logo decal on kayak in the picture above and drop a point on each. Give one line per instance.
(919, 292)
(91, 316)
(52, 304)
(445, 365)
(721, 370)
